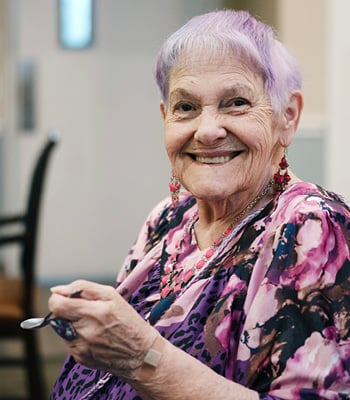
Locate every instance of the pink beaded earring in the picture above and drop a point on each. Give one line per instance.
(174, 186)
(281, 177)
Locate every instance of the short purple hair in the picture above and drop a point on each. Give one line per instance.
(233, 32)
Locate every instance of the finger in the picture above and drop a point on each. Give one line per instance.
(77, 308)
(96, 291)
(66, 307)
(87, 290)
(67, 290)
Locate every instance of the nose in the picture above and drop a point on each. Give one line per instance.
(210, 127)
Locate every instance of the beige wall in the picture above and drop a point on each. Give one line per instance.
(2, 59)
(111, 167)
(302, 27)
(338, 96)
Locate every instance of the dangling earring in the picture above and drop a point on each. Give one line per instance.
(174, 186)
(281, 177)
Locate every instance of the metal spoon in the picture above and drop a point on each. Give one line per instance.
(62, 326)
(40, 322)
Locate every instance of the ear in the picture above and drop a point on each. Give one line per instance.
(290, 118)
(162, 109)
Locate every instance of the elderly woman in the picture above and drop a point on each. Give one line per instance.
(238, 287)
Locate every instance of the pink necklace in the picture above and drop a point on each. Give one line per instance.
(175, 279)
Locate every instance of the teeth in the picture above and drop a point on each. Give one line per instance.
(213, 160)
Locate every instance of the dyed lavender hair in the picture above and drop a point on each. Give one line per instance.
(230, 32)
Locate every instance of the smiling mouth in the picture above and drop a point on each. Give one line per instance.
(216, 159)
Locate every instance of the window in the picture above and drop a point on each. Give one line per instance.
(75, 23)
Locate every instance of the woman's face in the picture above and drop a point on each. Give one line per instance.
(221, 135)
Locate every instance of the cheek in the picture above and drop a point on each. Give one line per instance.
(170, 144)
(262, 137)
(172, 147)
(174, 138)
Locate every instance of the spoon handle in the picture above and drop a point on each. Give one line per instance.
(49, 319)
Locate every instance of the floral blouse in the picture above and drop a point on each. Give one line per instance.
(270, 309)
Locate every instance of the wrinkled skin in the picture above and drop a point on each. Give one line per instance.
(222, 137)
(111, 335)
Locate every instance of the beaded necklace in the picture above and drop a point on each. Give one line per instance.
(175, 279)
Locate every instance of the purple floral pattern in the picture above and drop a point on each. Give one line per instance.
(271, 313)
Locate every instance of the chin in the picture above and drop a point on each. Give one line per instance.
(212, 187)
(208, 193)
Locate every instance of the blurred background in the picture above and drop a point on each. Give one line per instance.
(110, 167)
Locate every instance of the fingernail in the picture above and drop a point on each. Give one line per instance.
(55, 289)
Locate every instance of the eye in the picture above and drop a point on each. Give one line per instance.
(235, 104)
(239, 102)
(184, 107)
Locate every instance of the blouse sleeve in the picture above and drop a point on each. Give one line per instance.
(302, 309)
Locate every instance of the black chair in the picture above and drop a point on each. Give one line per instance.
(17, 295)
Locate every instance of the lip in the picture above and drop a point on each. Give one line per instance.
(215, 158)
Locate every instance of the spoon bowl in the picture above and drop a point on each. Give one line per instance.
(32, 323)
(40, 322)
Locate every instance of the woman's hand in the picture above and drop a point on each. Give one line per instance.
(111, 335)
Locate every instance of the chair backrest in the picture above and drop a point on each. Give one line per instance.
(32, 217)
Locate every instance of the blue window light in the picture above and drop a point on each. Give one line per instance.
(75, 23)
